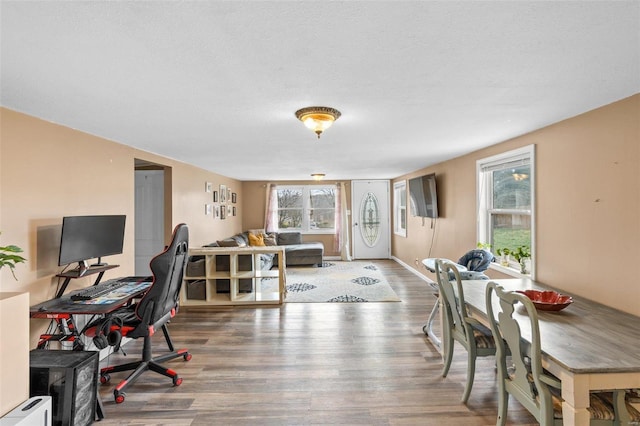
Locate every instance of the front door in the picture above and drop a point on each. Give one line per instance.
(370, 218)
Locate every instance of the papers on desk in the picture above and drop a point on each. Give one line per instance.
(118, 294)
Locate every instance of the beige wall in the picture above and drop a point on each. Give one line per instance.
(49, 171)
(255, 201)
(587, 213)
(588, 202)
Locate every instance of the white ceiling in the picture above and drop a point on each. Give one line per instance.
(216, 84)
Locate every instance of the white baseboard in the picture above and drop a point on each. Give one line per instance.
(412, 270)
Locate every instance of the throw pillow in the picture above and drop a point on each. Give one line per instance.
(256, 240)
(270, 239)
(229, 242)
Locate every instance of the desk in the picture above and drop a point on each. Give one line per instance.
(61, 309)
(587, 345)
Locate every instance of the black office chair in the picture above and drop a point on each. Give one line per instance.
(154, 310)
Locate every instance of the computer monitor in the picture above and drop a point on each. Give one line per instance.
(90, 237)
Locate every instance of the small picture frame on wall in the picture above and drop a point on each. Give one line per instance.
(216, 212)
(234, 209)
(228, 194)
(208, 208)
(215, 196)
(223, 212)
(234, 198)
(208, 186)
(223, 193)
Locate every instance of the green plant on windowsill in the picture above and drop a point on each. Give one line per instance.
(504, 255)
(521, 254)
(483, 246)
(8, 257)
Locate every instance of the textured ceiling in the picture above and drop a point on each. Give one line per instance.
(216, 84)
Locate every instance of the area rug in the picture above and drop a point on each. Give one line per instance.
(338, 281)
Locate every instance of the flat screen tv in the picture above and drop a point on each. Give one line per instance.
(90, 237)
(423, 196)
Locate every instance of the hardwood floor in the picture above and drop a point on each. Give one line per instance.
(310, 364)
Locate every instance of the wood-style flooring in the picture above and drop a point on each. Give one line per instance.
(310, 364)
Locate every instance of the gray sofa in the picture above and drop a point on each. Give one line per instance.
(297, 252)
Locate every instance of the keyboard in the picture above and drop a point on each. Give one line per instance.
(136, 279)
(96, 291)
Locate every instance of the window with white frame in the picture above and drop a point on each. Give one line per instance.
(306, 208)
(506, 188)
(400, 208)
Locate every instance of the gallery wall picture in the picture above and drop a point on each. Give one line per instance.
(223, 212)
(215, 196)
(208, 186)
(223, 193)
(208, 209)
(216, 212)
(234, 198)
(234, 210)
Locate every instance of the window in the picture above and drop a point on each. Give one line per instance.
(400, 208)
(506, 204)
(307, 208)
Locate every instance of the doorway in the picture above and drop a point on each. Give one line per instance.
(371, 219)
(150, 212)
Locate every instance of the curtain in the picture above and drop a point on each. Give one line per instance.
(341, 237)
(270, 210)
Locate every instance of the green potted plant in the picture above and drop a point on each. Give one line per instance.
(504, 255)
(10, 258)
(483, 246)
(521, 254)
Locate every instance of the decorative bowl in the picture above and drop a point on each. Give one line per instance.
(548, 300)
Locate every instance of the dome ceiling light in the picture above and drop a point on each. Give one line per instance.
(318, 118)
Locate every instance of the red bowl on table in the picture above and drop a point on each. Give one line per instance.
(548, 300)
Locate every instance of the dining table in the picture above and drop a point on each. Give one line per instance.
(587, 345)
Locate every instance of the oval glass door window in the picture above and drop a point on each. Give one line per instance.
(370, 219)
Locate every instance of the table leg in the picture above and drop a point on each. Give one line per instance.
(575, 392)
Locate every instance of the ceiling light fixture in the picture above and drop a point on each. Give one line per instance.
(318, 118)
(317, 176)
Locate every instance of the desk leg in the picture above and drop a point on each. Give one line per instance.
(575, 392)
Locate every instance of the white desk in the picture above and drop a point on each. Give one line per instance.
(588, 346)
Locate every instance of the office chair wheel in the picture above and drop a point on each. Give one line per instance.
(119, 397)
(187, 356)
(177, 381)
(104, 378)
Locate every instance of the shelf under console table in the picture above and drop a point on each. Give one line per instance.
(233, 276)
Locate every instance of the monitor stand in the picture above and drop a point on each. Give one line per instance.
(83, 267)
(99, 263)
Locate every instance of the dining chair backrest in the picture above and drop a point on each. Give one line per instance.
(455, 309)
(458, 325)
(525, 379)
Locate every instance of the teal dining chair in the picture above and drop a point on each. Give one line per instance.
(525, 379)
(458, 326)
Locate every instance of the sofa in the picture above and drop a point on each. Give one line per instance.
(297, 252)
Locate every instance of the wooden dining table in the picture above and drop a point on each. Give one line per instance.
(588, 346)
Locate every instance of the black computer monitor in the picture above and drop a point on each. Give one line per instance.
(90, 237)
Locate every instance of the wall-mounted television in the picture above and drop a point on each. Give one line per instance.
(423, 196)
(90, 237)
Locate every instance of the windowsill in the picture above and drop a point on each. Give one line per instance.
(508, 271)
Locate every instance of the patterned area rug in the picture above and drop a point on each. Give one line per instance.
(336, 281)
